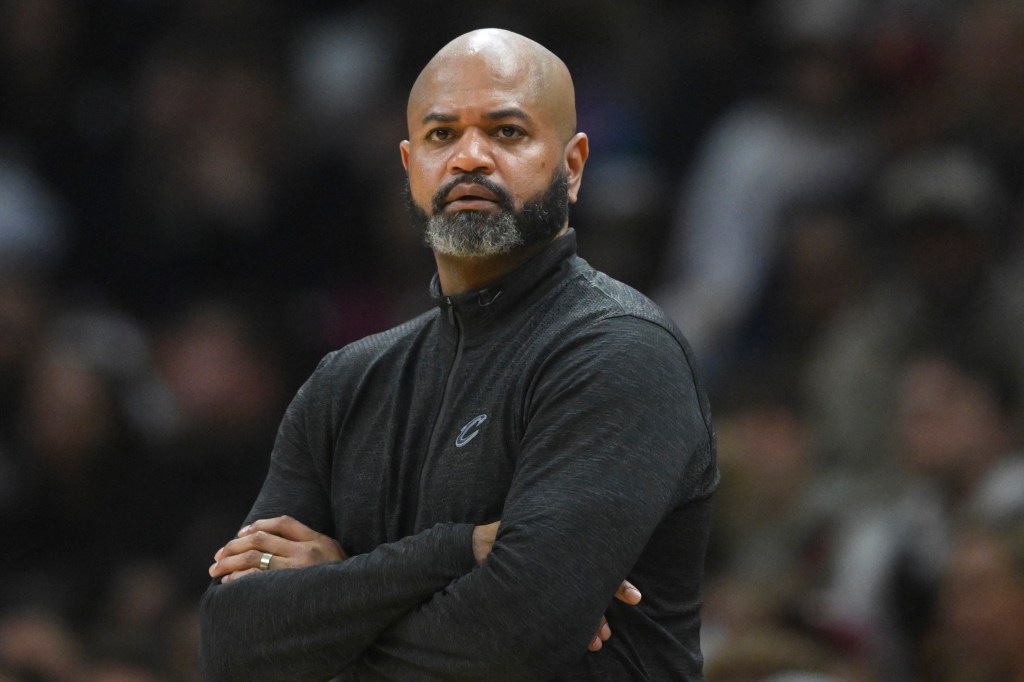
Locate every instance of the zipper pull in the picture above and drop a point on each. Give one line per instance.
(451, 309)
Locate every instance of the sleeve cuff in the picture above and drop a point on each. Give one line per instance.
(461, 555)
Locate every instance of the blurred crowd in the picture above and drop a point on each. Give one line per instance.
(198, 199)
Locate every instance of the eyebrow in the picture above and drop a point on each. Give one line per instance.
(440, 118)
(510, 112)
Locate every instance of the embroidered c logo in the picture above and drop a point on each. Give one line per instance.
(465, 436)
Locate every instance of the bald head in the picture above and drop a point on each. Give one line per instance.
(493, 148)
(510, 61)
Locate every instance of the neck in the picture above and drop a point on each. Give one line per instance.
(460, 274)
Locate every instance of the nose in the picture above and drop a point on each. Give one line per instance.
(471, 154)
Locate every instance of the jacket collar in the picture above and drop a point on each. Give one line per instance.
(476, 308)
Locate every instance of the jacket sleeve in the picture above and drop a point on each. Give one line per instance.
(312, 623)
(616, 436)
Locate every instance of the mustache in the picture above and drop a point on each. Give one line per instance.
(472, 179)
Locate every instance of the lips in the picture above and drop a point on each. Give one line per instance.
(472, 192)
(466, 194)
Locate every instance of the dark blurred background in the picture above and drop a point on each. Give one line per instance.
(198, 199)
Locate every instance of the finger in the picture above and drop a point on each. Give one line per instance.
(245, 561)
(234, 563)
(260, 540)
(602, 634)
(282, 526)
(628, 593)
(231, 577)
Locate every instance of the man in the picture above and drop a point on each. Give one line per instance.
(493, 469)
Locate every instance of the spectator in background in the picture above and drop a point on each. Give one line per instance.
(979, 633)
(41, 77)
(939, 211)
(818, 274)
(24, 306)
(203, 176)
(804, 142)
(769, 556)
(225, 378)
(82, 462)
(770, 521)
(956, 440)
(89, 500)
(985, 66)
(33, 234)
(38, 646)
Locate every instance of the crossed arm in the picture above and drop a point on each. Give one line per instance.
(284, 543)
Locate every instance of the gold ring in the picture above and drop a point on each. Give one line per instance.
(265, 561)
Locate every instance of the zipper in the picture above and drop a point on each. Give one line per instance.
(456, 322)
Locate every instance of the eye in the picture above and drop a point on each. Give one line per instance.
(440, 134)
(510, 132)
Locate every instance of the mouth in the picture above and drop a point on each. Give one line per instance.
(468, 197)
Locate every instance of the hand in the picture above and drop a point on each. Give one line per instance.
(626, 593)
(483, 541)
(292, 544)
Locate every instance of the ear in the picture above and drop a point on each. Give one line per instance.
(576, 152)
(403, 146)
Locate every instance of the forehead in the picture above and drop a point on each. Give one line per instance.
(476, 83)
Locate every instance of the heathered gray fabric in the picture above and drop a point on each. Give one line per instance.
(597, 455)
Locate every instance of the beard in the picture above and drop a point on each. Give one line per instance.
(480, 233)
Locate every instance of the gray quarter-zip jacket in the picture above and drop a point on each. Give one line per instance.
(559, 401)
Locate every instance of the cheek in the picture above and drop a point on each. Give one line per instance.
(528, 175)
(424, 180)
(417, 188)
